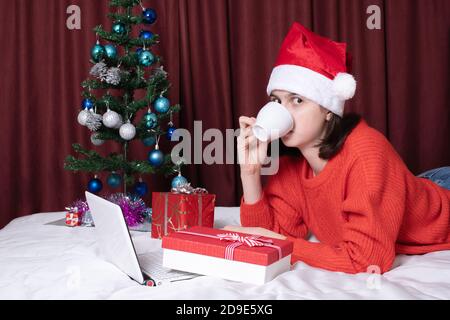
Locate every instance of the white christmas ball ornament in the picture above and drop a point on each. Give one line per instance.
(83, 117)
(96, 141)
(111, 119)
(127, 131)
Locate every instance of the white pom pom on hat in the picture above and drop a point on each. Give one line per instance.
(314, 67)
(344, 86)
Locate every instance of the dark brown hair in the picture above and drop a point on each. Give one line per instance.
(336, 132)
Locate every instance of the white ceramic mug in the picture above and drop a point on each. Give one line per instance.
(273, 122)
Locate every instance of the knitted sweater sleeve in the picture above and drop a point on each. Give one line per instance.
(371, 225)
(275, 209)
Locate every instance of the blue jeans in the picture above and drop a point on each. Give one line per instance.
(440, 176)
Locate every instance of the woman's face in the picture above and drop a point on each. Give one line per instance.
(309, 119)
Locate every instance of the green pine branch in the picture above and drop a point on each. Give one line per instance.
(125, 39)
(129, 60)
(157, 85)
(125, 18)
(94, 162)
(107, 134)
(124, 3)
(127, 84)
(106, 101)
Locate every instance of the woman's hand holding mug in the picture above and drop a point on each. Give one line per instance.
(273, 122)
(252, 153)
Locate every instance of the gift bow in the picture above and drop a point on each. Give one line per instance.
(251, 241)
(186, 188)
(72, 209)
(237, 241)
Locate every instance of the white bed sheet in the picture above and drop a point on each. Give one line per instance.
(39, 261)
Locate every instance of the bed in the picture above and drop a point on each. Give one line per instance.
(39, 260)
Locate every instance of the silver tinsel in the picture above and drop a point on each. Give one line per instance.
(160, 71)
(188, 189)
(99, 69)
(113, 76)
(109, 75)
(94, 121)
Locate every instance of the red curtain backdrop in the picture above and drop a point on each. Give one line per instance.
(219, 55)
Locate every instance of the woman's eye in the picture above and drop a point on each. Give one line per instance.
(275, 100)
(298, 100)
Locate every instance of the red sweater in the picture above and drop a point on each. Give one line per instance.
(364, 207)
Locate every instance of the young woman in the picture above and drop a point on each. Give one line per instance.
(348, 186)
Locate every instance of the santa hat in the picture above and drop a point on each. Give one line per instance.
(315, 68)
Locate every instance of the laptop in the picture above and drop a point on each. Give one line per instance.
(117, 247)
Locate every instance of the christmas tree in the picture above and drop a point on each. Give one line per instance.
(125, 64)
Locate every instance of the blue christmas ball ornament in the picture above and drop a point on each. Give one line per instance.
(95, 185)
(141, 189)
(146, 58)
(149, 142)
(146, 35)
(87, 104)
(162, 105)
(150, 120)
(119, 28)
(170, 132)
(111, 51)
(98, 52)
(114, 180)
(178, 180)
(156, 158)
(149, 16)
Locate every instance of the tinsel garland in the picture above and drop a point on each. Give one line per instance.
(94, 121)
(133, 208)
(109, 75)
(99, 69)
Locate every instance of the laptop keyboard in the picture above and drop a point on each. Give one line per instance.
(151, 264)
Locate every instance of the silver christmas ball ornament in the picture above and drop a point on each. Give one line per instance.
(95, 140)
(111, 119)
(83, 117)
(127, 131)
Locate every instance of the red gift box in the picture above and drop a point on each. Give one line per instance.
(233, 256)
(176, 211)
(73, 219)
(206, 241)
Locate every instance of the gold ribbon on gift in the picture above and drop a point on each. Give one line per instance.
(183, 189)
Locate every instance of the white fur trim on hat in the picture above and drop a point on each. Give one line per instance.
(314, 86)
